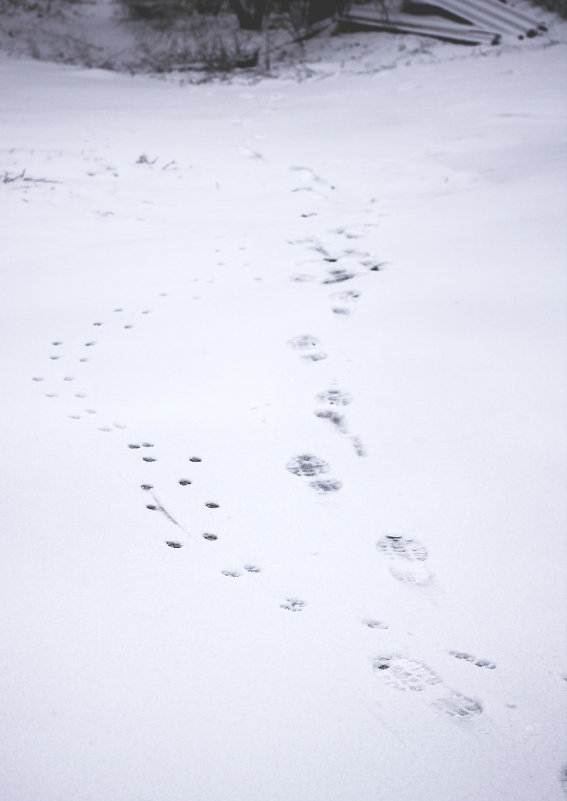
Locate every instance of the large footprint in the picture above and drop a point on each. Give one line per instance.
(407, 557)
(404, 674)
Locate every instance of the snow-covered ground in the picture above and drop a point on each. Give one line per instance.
(325, 323)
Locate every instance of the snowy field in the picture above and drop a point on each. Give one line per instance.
(283, 425)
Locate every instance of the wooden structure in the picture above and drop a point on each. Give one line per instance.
(464, 21)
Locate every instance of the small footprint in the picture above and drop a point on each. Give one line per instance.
(375, 624)
(149, 459)
(308, 347)
(484, 663)
(211, 505)
(293, 605)
(231, 573)
(210, 537)
(184, 482)
(174, 544)
(252, 569)
(195, 459)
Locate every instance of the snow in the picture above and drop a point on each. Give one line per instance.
(135, 671)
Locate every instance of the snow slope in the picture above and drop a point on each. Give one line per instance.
(367, 271)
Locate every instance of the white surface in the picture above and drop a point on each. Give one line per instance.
(137, 672)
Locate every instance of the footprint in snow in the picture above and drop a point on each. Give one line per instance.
(403, 674)
(307, 465)
(375, 624)
(407, 556)
(337, 276)
(344, 302)
(483, 663)
(308, 347)
(293, 605)
(325, 485)
(329, 400)
(334, 417)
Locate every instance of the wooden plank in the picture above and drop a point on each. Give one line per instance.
(530, 22)
(488, 14)
(439, 29)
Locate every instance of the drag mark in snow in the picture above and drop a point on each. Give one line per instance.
(330, 399)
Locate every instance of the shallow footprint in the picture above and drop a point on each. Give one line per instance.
(402, 673)
(293, 605)
(345, 302)
(308, 347)
(483, 663)
(334, 397)
(325, 485)
(395, 545)
(333, 417)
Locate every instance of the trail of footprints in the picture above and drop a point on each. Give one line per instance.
(403, 673)
(407, 556)
(145, 449)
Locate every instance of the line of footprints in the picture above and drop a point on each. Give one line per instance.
(146, 449)
(407, 556)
